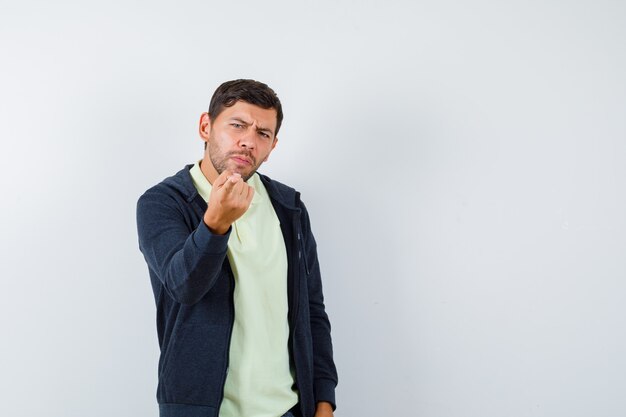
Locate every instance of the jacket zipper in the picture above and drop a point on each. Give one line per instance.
(296, 270)
(296, 257)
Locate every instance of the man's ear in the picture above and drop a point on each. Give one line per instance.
(204, 127)
(273, 146)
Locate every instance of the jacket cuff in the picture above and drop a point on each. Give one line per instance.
(208, 242)
(325, 391)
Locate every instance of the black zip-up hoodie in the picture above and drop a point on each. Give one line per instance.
(193, 288)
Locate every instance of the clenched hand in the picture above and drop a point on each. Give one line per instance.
(230, 198)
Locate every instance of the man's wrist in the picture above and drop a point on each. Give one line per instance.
(216, 228)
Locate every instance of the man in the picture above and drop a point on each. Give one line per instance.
(233, 264)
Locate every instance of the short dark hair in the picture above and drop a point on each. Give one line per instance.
(250, 91)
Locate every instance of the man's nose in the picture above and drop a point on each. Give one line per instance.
(248, 138)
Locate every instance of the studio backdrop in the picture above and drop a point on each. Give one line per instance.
(463, 163)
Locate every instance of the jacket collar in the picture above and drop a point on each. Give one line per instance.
(182, 182)
(281, 193)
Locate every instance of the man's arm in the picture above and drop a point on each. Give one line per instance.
(325, 372)
(188, 262)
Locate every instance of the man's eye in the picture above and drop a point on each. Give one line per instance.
(265, 135)
(236, 125)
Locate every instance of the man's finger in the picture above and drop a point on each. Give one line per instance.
(222, 179)
(250, 194)
(236, 182)
(241, 189)
(229, 185)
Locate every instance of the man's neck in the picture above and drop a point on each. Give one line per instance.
(208, 170)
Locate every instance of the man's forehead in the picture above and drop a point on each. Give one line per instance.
(251, 114)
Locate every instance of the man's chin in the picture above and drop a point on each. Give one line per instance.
(245, 174)
(247, 177)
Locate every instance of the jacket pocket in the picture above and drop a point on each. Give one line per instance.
(307, 254)
(194, 370)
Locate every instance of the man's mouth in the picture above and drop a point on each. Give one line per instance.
(241, 159)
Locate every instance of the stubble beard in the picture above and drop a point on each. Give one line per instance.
(220, 160)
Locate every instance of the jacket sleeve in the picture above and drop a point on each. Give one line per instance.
(324, 370)
(187, 262)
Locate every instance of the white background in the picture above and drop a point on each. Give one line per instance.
(464, 164)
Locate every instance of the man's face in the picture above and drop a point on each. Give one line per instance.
(240, 139)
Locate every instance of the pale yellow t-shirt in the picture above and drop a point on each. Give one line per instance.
(259, 382)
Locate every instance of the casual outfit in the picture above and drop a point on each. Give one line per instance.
(240, 317)
(259, 380)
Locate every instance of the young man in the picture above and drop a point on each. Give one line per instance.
(233, 264)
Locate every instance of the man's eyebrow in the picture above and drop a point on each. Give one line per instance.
(264, 129)
(258, 129)
(237, 119)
